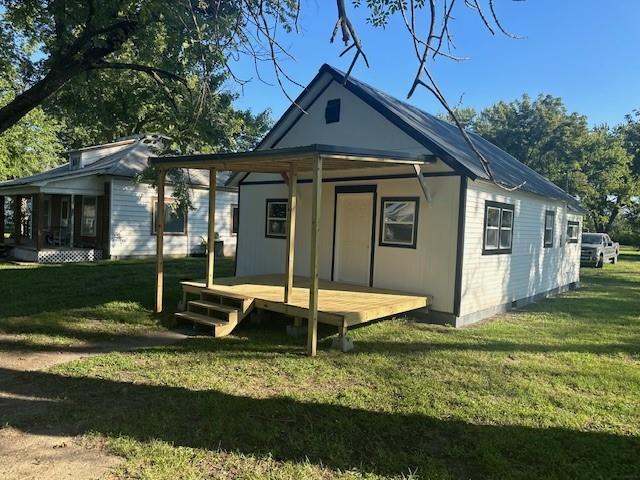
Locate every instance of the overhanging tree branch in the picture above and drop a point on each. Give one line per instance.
(148, 69)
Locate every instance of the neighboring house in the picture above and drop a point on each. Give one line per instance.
(92, 208)
(476, 249)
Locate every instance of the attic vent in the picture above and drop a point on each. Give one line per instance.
(332, 112)
(74, 159)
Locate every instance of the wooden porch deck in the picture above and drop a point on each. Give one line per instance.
(337, 302)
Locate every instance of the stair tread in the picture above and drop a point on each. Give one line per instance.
(223, 293)
(197, 317)
(213, 306)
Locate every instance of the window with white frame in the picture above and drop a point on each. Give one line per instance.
(399, 221)
(573, 231)
(549, 227)
(276, 218)
(175, 219)
(89, 216)
(498, 228)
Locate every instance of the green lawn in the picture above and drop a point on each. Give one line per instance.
(552, 391)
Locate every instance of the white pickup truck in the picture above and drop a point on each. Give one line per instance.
(598, 248)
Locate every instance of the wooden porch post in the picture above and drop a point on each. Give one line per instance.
(291, 232)
(17, 219)
(160, 241)
(312, 330)
(211, 239)
(38, 217)
(1, 219)
(72, 220)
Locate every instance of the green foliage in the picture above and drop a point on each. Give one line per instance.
(600, 166)
(540, 133)
(465, 115)
(608, 182)
(30, 146)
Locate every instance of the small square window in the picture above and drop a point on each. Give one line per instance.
(276, 218)
(332, 111)
(498, 228)
(399, 222)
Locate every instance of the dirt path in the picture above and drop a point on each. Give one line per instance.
(24, 455)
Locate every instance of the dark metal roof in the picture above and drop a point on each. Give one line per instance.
(446, 141)
(128, 162)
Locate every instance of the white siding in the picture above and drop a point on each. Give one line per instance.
(492, 280)
(131, 230)
(427, 269)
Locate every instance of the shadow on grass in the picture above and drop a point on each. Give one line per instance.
(630, 257)
(290, 430)
(61, 287)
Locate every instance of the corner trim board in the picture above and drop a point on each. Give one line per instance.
(462, 213)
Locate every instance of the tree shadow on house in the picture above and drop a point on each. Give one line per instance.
(287, 429)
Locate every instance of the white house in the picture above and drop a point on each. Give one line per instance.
(92, 208)
(474, 246)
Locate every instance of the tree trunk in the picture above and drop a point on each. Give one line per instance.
(12, 112)
(82, 55)
(612, 218)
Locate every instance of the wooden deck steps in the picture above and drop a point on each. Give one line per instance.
(339, 304)
(221, 311)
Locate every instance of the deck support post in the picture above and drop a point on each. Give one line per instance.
(296, 329)
(1, 219)
(211, 235)
(291, 232)
(343, 343)
(316, 211)
(160, 241)
(17, 219)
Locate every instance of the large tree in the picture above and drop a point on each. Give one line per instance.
(609, 185)
(32, 144)
(541, 133)
(197, 36)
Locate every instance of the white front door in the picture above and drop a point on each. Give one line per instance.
(352, 254)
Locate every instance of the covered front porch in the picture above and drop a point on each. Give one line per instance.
(223, 302)
(52, 227)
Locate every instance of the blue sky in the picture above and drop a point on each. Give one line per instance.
(585, 51)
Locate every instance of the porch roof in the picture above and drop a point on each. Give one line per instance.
(279, 160)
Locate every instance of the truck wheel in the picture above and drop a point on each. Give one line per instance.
(600, 262)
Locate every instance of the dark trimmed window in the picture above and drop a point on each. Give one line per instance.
(498, 228)
(276, 218)
(573, 231)
(234, 219)
(332, 111)
(549, 227)
(175, 220)
(399, 221)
